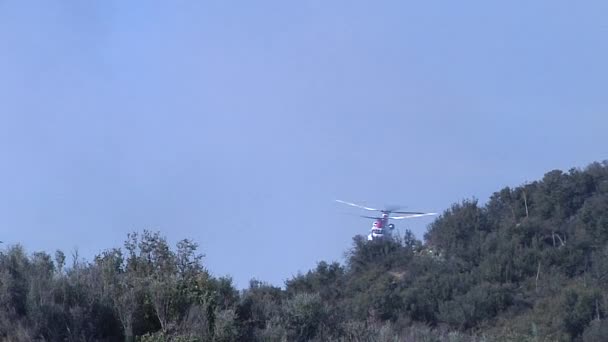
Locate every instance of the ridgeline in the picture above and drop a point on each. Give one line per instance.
(530, 265)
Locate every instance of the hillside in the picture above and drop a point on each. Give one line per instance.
(530, 265)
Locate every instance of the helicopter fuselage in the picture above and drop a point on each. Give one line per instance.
(375, 234)
(379, 227)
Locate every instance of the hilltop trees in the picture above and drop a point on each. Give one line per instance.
(530, 264)
(531, 261)
(111, 298)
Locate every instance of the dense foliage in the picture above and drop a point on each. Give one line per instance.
(530, 265)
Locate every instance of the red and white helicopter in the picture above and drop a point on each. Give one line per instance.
(381, 226)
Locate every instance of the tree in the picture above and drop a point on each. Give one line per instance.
(304, 315)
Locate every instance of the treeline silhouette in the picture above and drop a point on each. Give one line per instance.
(530, 265)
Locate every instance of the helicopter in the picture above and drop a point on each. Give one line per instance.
(381, 226)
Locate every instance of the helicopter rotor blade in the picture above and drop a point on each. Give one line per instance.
(371, 217)
(407, 212)
(392, 208)
(357, 205)
(411, 216)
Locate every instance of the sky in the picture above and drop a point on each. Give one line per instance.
(238, 123)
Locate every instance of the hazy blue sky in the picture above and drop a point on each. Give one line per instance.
(237, 124)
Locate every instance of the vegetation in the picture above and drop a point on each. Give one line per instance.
(530, 265)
